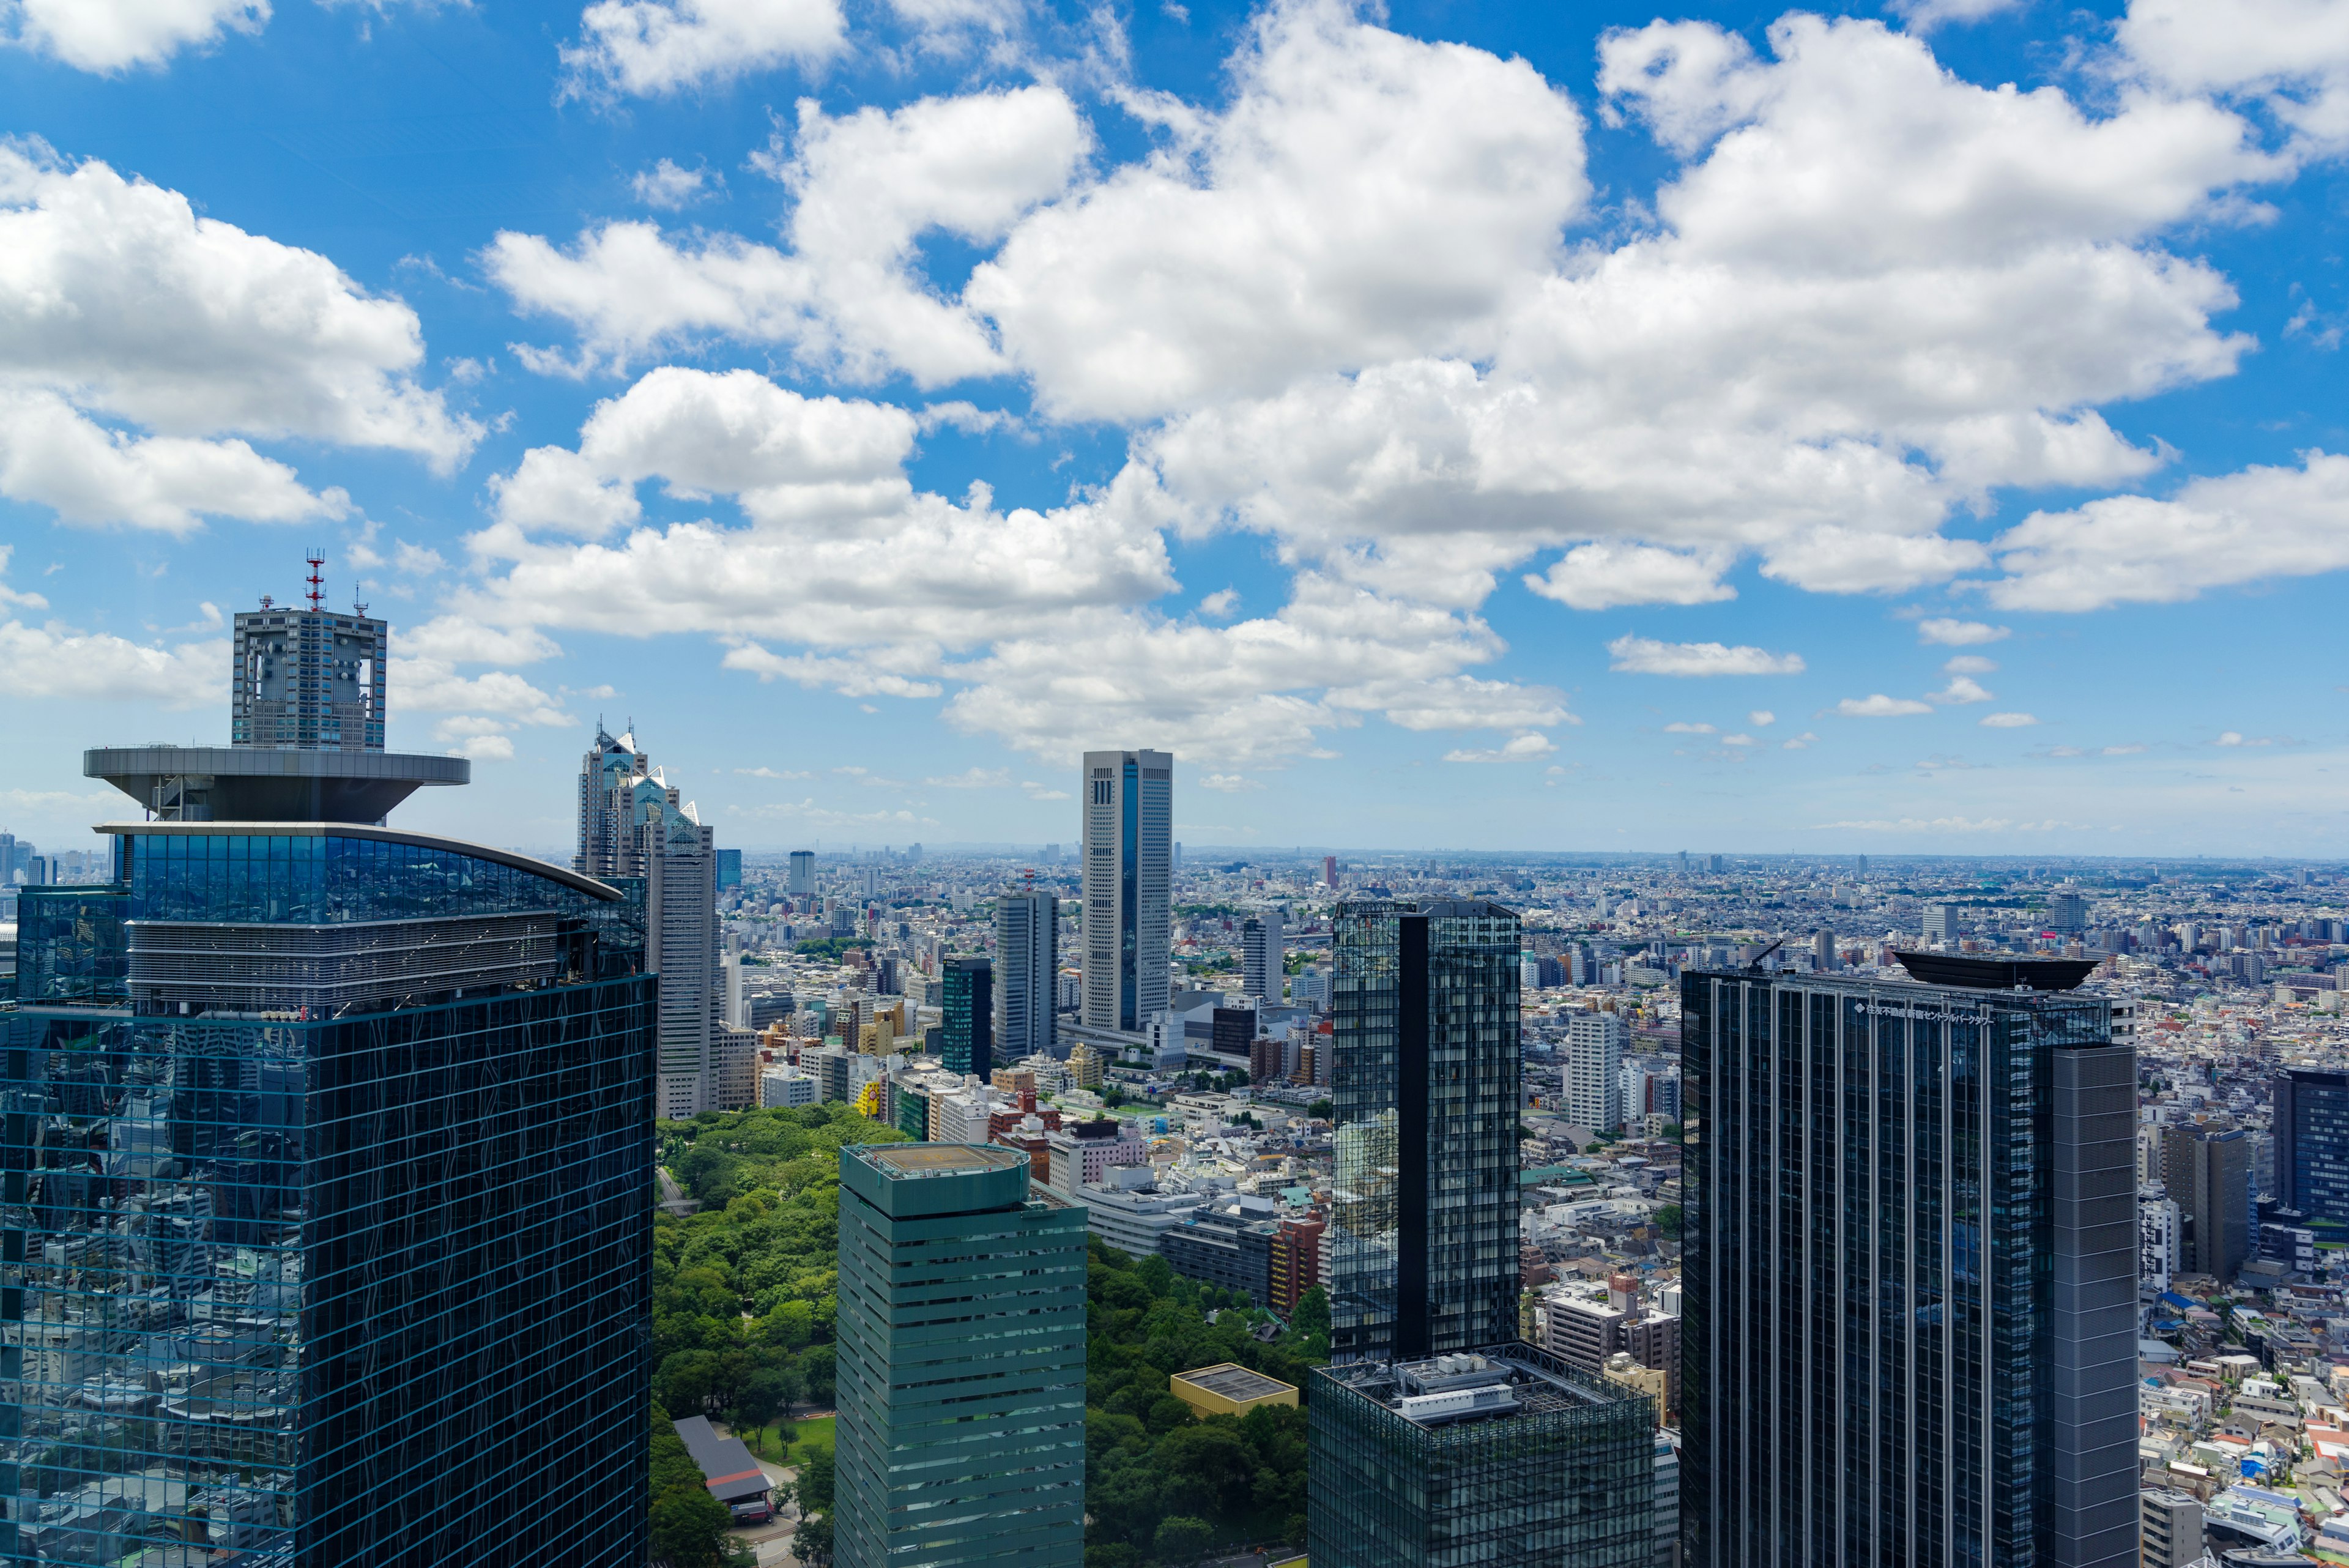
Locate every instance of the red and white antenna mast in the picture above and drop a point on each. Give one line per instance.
(317, 583)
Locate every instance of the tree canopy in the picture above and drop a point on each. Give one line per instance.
(1161, 1486)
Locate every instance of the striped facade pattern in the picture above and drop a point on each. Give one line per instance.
(1909, 1331)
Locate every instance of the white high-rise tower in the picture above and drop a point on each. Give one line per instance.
(1129, 848)
(1260, 956)
(1594, 1069)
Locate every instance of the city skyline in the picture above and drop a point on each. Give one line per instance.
(1648, 466)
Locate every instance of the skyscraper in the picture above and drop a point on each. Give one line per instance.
(1594, 1071)
(1129, 806)
(1026, 973)
(1423, 1243)
(1908, 1272)
(2208, 1173)
(2311, 1134)
(962, 1362)
(323, 1180)
(635, 824)
(969, 1033)
(309, 678)
(1261, 962)
(802, 874)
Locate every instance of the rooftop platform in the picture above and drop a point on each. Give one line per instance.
(269, 783)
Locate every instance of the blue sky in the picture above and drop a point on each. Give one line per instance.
(1595, 427)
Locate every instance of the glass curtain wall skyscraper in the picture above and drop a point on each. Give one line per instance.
(1027, 974)
(1909, 1273)
(1437, 1439)
(1129, 821)
(2312, 1146)
(1423, 1239)
(967, 1043)
(323, 1229)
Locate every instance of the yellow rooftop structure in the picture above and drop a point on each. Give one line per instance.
(1228, 1390)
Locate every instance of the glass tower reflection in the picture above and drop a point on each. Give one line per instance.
(322, 1218)
(323, 1157)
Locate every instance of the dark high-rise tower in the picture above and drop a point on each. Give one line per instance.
(1026, 973)
(1423, 1246)
(969, 1021)
(2208, 1171)
(1909, 1271)
(2312, 1154)
(322, 1232)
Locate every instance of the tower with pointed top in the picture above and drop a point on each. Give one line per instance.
(633, 824)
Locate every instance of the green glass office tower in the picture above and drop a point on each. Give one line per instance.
(1423, 1244)
(961, 1376)
(1506, 1457)
(1908, 1334)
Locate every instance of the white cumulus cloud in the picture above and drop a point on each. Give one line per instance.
(865, 187)
(1531, 746)
(647, 47)
(1879, 706)
(2261, 523)
(2292, 55)
(1951, 633)
(120, 306)
(111, 36)
(1646, 656)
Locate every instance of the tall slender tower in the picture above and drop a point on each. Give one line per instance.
(1261, 960)
(969, 1033)
(1422, 1245)
(1129, 821)
(1027, 974)
(633, 824)
(1908, 1333)
(323, 1183)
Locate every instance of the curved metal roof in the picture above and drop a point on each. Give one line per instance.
(1995, 971)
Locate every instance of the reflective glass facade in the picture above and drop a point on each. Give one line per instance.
(353, 1271)
(1566, 1482)
(2311, 1134)
(1909, 1330)
(969, 1045)
(1422, 1242)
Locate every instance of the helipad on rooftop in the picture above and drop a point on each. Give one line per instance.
(910, 1159)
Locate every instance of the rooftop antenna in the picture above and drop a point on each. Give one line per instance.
(1764, 953)
(317, 594)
